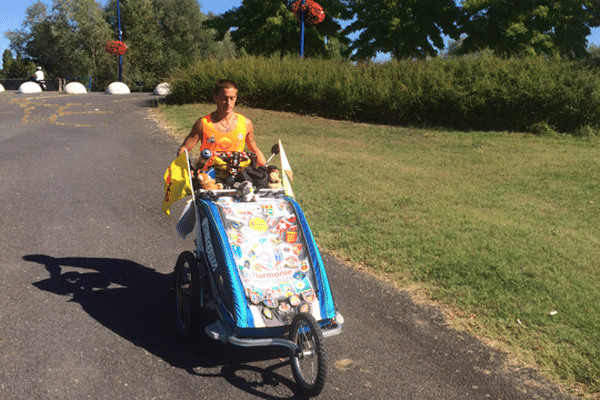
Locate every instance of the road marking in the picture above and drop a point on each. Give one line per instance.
(30, 107)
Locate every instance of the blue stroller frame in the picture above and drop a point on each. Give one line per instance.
(257, 265)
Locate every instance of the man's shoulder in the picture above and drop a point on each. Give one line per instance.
(243, 118)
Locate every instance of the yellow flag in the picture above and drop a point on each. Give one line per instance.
(177, 182)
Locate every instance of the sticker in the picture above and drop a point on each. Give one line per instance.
(278, 255)
(258, 224)
(237, 251)
(299, 275)
(291, 236)
(267, 313)
(302, 285)
(254, 298)
(271, 303)
(282, 225)
(304, 308)
(267, 209)
(297, 249)
(292, 262)
(308, 295)
(275, 241)
(257, 267)
(304, 266)
(284, 307)
(246, 276)
(286, 289)
(252, 255)
(295, 301)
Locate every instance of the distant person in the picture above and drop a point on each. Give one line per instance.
(39, 74)
(38, 77)
(223, 129)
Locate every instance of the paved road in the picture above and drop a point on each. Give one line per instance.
(86, 260)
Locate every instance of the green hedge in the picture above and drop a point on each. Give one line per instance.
(476, 92)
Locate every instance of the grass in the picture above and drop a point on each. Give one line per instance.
(501, 226)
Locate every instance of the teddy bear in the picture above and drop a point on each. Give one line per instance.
(274, 179)
(207, 183)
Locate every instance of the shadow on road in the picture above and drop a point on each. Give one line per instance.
(135, 302)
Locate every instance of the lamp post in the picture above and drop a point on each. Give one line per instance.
(302, 23)
(120, 34)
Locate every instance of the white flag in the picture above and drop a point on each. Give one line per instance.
(287, 172)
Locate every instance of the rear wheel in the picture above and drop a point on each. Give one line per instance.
(308, 362)
(188, 294)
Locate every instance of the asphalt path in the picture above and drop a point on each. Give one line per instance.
(86, 262)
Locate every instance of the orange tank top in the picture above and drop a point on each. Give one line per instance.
(215, 140)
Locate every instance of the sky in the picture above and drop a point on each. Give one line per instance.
(12, 15)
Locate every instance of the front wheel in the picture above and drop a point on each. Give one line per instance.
(188, 292)
(308, 362)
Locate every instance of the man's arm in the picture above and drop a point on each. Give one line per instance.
(192, 139)
(252, 146)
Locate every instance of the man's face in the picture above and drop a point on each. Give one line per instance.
(226, 100)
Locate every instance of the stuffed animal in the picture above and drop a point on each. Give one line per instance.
(274, 179)
(208, 183)
(245, 191)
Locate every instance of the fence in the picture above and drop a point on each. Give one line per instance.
(57, 84)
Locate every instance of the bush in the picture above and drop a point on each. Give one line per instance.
(481, 92)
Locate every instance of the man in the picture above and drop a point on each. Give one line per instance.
(39, 74)
(223, 129)
(38, 77)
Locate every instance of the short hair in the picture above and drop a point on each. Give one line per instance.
(224, 84)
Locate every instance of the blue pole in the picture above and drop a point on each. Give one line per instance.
(302, 16)
(121, 57)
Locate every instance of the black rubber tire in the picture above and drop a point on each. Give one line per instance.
(188, 294)
(309, 363)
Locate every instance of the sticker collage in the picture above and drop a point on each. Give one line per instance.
(271, 257)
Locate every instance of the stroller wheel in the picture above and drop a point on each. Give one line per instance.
(188, 294)
(308, 362)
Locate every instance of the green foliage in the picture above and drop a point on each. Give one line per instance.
(518, 27)
(405, 29)
(483, 92)
(268, 27)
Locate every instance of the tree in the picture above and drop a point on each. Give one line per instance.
(145, 59)
(68, 42)
(34, 15)
(181, 24)
(7, 60)
(403, 28)
(267, 27)
(79, 33)
(518, 27)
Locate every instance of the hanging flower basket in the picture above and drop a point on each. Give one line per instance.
(314, 12)
(116, 48)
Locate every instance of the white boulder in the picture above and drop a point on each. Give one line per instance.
(30, 87)
(117, 88)
(1, 88)
(75, 88)
(163, 89)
